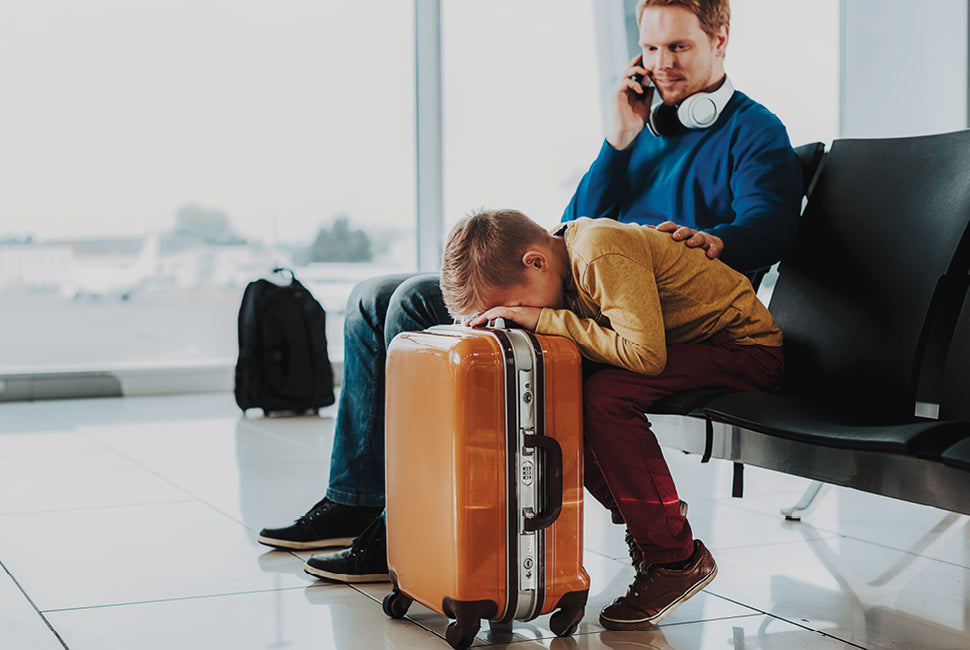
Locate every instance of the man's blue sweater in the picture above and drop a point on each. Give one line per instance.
(739, 180)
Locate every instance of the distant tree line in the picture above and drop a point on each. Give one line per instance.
(198, 224)
(338, 242)
(341, 243)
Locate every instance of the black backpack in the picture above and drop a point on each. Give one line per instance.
(283, 364)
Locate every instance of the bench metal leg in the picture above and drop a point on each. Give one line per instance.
(808, 501)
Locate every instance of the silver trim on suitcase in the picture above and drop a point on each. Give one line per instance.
(527, 511)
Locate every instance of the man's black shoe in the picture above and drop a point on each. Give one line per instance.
(365, 561)
(326, 524)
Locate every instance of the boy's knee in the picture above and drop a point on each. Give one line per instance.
(600, 385)
(605, 396)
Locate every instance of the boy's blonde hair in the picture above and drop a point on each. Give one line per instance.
(484, 252)
(712, 14)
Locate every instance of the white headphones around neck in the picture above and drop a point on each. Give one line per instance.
(699, 111)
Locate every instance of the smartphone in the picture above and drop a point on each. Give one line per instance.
(639, 79)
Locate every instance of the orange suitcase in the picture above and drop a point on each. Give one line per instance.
(484, 477)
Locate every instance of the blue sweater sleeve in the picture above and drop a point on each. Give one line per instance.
(601, 189)
(766, 190)
(739, 180)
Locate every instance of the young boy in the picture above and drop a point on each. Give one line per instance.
(652, 318)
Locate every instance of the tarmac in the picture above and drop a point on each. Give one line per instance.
(42, 330)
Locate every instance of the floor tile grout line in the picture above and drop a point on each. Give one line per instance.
(168, 480)
(34, 606)
(113, 506)
(736, 547)
(829, 531)
(901, 550)
(767, 544)
(381, 603)
(216, 509)
(623, 559)
(786, 620)
(164, 478)
(754, 613)
(704, 621)
(227, 594)
(276, 437)
(835, 535)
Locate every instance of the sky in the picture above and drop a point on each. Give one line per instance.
(114, 113)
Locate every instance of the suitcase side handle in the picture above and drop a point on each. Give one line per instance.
(552, 485)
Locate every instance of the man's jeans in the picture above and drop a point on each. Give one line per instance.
(378, 310)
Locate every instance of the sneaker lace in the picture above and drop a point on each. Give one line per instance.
(318, 509)
(643, 579)
(369, 538)
(636, 555)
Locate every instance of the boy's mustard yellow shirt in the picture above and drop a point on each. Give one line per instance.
(634, 291)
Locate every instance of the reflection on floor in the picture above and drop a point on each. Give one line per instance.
(131, 523)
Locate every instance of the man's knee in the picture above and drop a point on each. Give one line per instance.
(415, 305)
(369, 298)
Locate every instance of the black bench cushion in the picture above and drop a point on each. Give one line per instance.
(958, 455)
(688, 402)
(806, 421)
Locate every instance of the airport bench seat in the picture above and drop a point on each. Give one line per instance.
(958, 455)
(812, 423)
(873, 302)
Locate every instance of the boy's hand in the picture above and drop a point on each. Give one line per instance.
(527, 317)
(694, 238)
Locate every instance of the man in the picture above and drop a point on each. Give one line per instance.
(730, 185)
(734, 185)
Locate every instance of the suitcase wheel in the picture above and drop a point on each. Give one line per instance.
(564, 622)
(395, 604)
(461, 633)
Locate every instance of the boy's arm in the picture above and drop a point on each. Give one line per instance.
(626, 293)
(527, 317)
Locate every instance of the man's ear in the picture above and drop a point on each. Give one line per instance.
(720, 41)
(534, 259)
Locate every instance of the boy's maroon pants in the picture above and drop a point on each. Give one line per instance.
(624, 467)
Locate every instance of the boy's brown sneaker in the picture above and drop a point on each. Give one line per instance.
(658, 591)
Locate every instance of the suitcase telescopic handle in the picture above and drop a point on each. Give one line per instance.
(552, 483)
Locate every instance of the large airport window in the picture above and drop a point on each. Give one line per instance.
(522, 104)
(786, 56)
(158, 155)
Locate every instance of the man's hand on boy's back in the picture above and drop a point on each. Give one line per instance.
(527, 317)
(694, 238)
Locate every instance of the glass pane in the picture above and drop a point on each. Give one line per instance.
(157, 155)
(522, 119)
(785, 55)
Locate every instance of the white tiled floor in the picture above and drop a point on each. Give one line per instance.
(131, 524)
